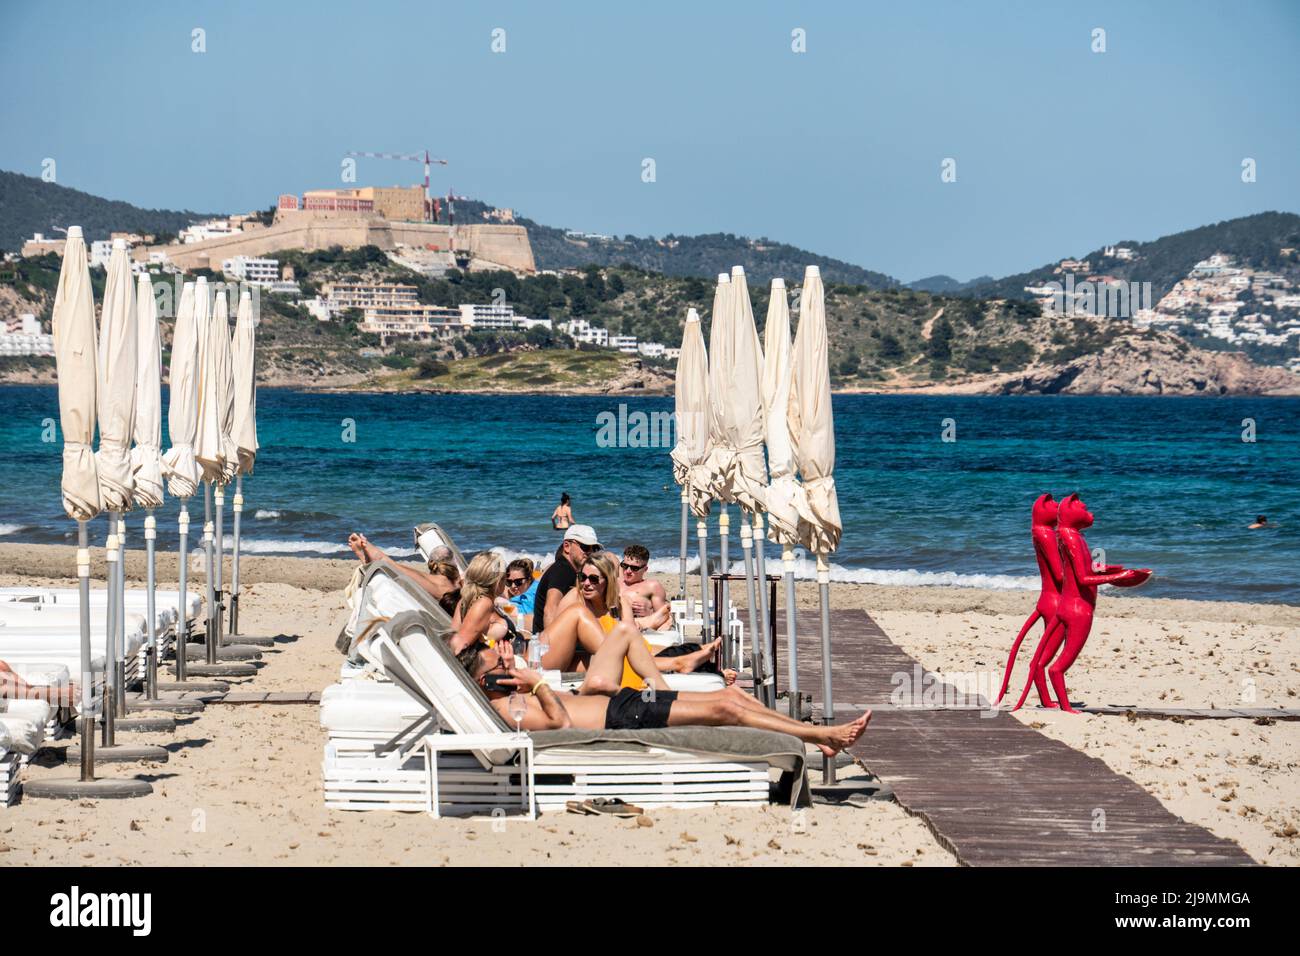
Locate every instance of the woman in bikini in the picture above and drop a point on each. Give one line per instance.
(562, 516)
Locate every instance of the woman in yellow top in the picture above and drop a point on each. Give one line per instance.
(590, 611)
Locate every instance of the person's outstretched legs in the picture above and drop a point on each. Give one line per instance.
(688, 709)
(575, 629)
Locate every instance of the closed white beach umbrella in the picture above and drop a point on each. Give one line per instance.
(179, 466)
(76, 355)
(146, 456)
(812, 430)
(209, 450)
(244, 424)
(224, 379)
(741, 365)
(691, 408)
(718, 461)
(244, 428)
(812, 424)
(209, 446)
(740, 375)
(783, 488)
(117, 361)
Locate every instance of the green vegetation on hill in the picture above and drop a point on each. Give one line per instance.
(29, 204)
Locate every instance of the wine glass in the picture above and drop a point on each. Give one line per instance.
(518, 707)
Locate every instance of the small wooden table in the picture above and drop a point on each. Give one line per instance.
(435, 744)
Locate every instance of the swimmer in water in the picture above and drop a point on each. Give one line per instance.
(1260, 522)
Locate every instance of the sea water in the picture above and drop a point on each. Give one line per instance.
(933, 490)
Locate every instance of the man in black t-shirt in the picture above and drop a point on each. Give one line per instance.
(579, 541)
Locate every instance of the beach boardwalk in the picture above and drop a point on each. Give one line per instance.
(993, 790)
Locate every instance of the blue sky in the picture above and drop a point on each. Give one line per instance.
(1058, 149)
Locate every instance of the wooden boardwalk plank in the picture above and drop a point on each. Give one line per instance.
(993, 790)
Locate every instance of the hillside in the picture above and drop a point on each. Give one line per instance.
(881, 340)
(29, 205)
(1254, 241)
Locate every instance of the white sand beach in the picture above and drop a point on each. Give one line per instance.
(243, 782)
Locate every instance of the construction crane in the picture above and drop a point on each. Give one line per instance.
(430, 205)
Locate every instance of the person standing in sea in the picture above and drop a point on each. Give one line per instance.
(562, 516)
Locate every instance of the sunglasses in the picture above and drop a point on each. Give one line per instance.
(587, 548)
(590, 578)
(631, 567)
(516, 582)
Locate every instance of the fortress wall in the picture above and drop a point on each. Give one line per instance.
(507, 246)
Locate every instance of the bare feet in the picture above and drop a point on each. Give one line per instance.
(843, 736)
(729, 676)
(355, 543)
(691, 662)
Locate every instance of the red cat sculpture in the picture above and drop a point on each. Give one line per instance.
(1078, 600)
(1042, 528)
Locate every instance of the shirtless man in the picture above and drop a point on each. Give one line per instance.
(648, 596)
(600, 704)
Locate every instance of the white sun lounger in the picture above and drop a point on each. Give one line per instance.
(136, 599)
(22, 732)
(683, 766)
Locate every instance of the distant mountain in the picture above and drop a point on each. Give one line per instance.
(29, 205)
(945, 285)
(685, 256)
(1254, 241)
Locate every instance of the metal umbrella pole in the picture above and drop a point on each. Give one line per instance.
(151, 609)
(111, 651)
(765, 634)
(724, 594)
(828, 705)
(183, 616)
(219, 494)
(747, 548)
(702, 534)
(686, 522)
(119, 692)
(87, 670)
(211, 636)
(791, 635)
(237, 505)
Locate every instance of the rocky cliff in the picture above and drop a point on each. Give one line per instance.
(1157, 365)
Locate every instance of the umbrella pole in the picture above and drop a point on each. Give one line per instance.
(151, 664)
(755, 660)
(111, 652)
(828, 705)
(724, 598)
(183, 609)
(219, 493)
(87, 673)
(119, 690)
(237, 505)
(686, 523)
(702, 533)
(211, 636)
(791, 634)
(765, 637)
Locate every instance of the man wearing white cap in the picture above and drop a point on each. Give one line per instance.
(579, 541)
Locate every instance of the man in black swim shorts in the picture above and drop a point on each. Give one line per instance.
(601, 703)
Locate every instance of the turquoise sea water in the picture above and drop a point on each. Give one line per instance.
(1171, 482)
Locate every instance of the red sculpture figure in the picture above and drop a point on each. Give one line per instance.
(1042, 527)
(1078, 601)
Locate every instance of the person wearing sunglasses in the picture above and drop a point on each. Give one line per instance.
(602, 703)
(521, 588)
(649, 599)
(592, 610)
(558, 579)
